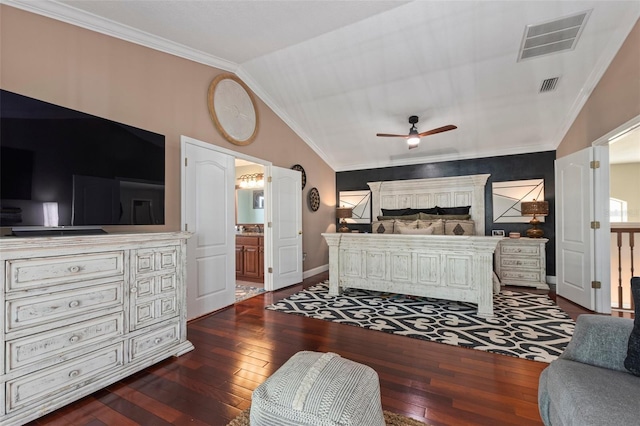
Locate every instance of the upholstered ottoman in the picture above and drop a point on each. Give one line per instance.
(314, 388)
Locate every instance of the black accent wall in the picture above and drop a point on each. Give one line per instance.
(504, 168)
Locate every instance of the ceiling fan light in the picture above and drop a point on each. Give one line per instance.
(413, 141)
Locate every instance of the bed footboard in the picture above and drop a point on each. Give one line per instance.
(446, 267)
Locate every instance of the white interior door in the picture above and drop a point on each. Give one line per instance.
(286, 205)
(208, 205)
(575, 182)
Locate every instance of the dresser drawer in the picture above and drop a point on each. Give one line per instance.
(41, 272)
(52, 344)
(51, 310)
(147, 261)
(62, 379)
(154, 341)
(520, 262)
(151, 311)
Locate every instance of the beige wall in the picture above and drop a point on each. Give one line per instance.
(624, 183)
(614, 101)
(135, 85)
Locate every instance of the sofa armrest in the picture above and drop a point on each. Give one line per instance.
(600, 341)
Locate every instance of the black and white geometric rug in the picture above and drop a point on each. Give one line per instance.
(529, 326)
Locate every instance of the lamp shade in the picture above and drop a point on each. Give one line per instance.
(534, 208)
(344, 212)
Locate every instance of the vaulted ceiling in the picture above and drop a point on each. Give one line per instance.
(338, 72)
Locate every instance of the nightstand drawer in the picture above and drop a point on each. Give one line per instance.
(49, 310)
(52, 344)
(42, 272)
(534, 276)
(63, 379)
(507, 249)
(520, 262)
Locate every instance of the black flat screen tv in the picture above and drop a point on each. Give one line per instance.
(62, 168)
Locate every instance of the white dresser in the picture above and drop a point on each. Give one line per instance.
(82, 312)
(521, 261)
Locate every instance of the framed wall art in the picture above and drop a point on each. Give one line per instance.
(360, 202)
(507, 197)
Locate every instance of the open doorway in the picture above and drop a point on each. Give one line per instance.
(249, 228)
(624, 211)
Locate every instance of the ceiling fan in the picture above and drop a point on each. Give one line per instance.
(413, 138)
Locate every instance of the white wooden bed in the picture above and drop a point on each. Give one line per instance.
(449, 267)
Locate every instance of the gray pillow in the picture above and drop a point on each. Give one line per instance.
(632, 361)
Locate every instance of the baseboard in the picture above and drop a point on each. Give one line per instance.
(315, 271)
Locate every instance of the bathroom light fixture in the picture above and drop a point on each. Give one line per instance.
(255, 180)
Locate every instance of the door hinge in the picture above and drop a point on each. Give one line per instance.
(269, 179)
(596, 284)
(185, 161)
(595, 224)
(594, 164)
(269, 224)
(270, 270)
(186, 226)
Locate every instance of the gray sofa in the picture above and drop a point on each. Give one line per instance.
(588, 384)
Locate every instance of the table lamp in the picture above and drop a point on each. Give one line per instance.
(534, 208)
(343, 213)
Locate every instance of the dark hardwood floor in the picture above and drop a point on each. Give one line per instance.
(239, 347)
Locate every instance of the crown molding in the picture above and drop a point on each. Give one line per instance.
(62, 12)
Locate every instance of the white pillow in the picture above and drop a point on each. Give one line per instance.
(404, 224)
(416, 231)
(437, 225)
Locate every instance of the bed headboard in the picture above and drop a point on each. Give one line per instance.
(424, 193)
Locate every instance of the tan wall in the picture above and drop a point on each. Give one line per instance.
(614, 101)
(624, 183)
(104, 76)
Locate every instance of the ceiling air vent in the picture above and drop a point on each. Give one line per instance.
(549, 85)
(552, 36)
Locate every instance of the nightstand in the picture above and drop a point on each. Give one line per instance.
(521, 261)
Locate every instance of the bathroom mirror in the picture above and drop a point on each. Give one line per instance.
(250, 206)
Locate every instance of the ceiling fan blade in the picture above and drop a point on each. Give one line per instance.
(438, 130)
(389, 135)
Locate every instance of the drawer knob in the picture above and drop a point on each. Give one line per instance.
(74, 373)
(74, 303)
(157, 340)
(74, 269)
(74, 339)
(134, 289)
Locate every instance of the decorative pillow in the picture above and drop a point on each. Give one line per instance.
(382, 227)
(395, 212)
(404, 224)
(437, 225)
(416, 231)
(454, 216)
(405, 217)
(432, 210)
(632, 361)
(459, 227)
(426, 216)
(454, 210)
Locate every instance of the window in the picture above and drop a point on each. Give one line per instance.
(617, 210)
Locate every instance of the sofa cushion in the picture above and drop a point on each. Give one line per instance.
(632, 361)
(581, 394)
